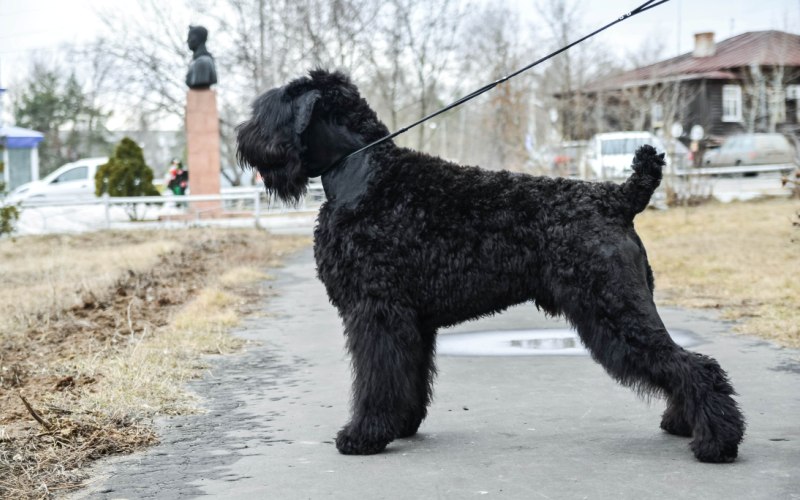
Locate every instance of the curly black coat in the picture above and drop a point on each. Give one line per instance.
(407, 243)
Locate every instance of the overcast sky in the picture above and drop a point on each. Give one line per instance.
(28, 26)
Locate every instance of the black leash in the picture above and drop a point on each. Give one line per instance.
(642, 8)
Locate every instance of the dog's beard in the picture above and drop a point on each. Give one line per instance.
(287, 181)
(277, 161)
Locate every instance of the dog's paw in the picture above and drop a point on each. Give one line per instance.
(717, 439)
(411, 421)
(647, 161)
(716, 451)
(675, 423)
(351, 443)
(409, 428)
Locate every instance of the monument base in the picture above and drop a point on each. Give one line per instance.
(203, 149)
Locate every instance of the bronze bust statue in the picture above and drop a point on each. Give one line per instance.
(202, 73)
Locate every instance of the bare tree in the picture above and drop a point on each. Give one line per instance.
(149, 53)
(650, 51)
(764, 97)
(412, 50)
(499, 122)
(563, 80)
(388, 77)
(337, 33)
(764, 84)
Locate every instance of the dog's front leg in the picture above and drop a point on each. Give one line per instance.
(387, 351)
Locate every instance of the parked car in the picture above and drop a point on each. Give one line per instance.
(609, 155)
(751, 149)
(71, 181)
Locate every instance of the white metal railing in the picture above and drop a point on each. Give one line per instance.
(743, 182)
(248, 205)
(737, 170)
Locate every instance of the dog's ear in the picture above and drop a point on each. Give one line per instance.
(267, 142)
(303, 108)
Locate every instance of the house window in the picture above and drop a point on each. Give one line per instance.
(657, 114)
(731, 103)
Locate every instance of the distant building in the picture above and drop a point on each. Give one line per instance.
(20, 155)
(747, 83)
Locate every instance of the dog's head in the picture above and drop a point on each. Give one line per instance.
(304, 127)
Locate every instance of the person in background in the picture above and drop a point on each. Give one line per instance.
(177, 178)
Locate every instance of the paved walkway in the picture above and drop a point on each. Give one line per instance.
(500, 427)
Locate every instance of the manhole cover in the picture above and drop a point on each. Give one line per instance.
(550, 342)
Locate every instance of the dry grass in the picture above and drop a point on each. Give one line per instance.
(125, 322)
(148, 378)
(52, 272)
(740, 258)
(46, 463)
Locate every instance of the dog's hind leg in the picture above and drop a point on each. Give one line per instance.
(387, 351)
(636, 349)
(620, 326)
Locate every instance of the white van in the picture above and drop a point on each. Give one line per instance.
(609, 155)
(73, 181)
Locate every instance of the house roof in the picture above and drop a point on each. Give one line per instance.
(18, 137)
(764, 48)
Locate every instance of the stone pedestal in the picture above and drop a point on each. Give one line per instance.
(203, 151)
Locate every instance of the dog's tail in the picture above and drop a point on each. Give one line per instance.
(647, 171)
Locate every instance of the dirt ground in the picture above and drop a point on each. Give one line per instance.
(99, 330)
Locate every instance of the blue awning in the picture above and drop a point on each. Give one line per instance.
(20, 138)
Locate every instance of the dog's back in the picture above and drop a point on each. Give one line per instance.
(473, 241)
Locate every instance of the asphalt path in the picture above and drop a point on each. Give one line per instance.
(522, 427)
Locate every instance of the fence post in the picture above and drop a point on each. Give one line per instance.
(107, 210)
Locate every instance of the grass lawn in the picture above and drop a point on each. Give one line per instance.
(740, 258)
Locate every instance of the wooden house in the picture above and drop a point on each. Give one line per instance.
(747, 83)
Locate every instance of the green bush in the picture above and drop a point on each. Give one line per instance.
(125, 174)
(8, 213)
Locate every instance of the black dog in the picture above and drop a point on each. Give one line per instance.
(407, 243)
